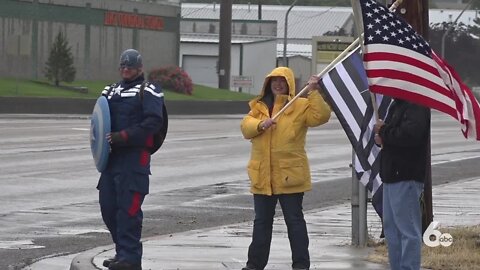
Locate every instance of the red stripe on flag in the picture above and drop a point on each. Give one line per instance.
(472, 105)
(410, 78)
(398, 46)
(394, 57)
(414, 97)
(476, 112)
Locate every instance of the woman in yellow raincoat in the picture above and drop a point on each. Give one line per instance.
(278, 168)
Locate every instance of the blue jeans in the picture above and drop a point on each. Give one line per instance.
(402, 223)
(292, 209)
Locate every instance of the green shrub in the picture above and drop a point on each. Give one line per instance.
(172, 78)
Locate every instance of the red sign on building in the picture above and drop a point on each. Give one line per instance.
(132, 20)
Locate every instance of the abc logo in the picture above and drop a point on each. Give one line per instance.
(440, 239)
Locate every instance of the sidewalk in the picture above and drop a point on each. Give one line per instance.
(226, 247)
(329, 230)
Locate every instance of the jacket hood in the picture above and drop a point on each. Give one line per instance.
(285, 72)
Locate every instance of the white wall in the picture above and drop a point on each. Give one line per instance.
(201, 69)
(195, 52)
(194, 48)
(302, 68)
(259, 60)
(25, 41)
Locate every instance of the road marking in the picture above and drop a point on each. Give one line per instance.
(454, 160)
(20, 244)
(81, 231)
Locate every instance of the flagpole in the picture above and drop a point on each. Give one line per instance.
(359, 201)
(373, 96)
(339, 58)
(359, 194)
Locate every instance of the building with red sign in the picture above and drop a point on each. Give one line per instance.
(97, 31)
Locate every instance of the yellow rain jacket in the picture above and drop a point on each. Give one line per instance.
(278, 162)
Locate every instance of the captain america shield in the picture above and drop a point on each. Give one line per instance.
(99, 128)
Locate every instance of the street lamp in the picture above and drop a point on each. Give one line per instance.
(285, 31)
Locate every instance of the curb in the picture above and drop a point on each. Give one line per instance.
(84, 261)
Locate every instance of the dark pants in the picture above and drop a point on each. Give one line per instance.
(259, 249)
(122, 214)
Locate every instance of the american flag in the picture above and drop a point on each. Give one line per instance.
(347, 92)
(400, 63)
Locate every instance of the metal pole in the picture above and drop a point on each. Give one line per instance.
(359, 209)
(362, 215)
(451, 27)
(285, 31)
(355, 205)
(359, 191)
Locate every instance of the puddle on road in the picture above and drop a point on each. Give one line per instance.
(20, 244)
(220, 188)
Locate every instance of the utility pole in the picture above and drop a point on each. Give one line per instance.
(259, 10)
(416, 14)
(225, 41)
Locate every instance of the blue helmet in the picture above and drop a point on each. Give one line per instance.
(131, 59)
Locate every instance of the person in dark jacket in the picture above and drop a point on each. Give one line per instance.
(404, 137)
(136, 114)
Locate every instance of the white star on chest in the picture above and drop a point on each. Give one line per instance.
(117, 90)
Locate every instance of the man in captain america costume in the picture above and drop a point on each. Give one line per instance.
(136, 115)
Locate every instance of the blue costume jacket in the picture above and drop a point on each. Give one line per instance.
(137, 117)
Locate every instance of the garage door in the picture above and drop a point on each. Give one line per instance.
(202, 69)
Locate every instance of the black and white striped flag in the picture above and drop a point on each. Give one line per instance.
(347, 92)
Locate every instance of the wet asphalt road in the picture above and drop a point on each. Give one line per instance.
(49, 202)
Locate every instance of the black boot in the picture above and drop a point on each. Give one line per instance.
(108, 261)
(119, 265)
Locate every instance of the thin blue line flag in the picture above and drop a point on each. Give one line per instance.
(347, 93)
